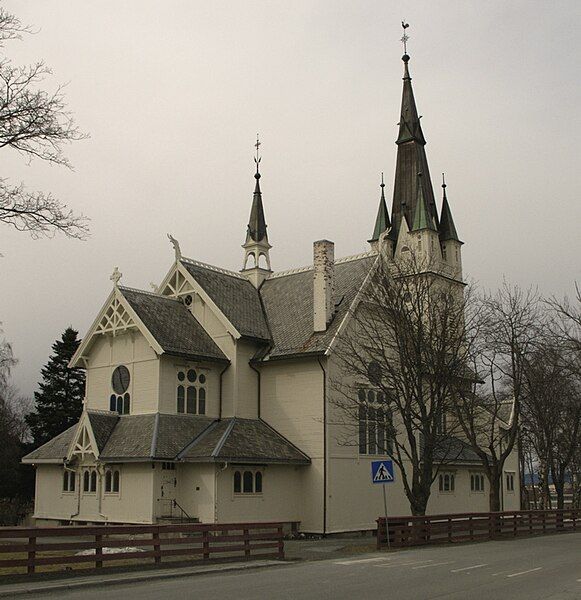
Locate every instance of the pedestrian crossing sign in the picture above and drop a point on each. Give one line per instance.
(382, 471)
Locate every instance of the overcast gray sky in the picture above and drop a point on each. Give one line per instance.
(173, 94)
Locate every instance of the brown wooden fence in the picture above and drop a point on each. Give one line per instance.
(437, 529)
(47, 547)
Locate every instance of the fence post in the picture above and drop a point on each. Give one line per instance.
(280, 543)
(471, 528)
(246, 544)
(378, 534)
(206, 544)
(156, 546)
(449, 529)
(31, 554)
(544, 515)
(98, 551)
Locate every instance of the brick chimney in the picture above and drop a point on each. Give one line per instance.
(323, 283)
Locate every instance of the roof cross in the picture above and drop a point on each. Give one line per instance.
(116, 276)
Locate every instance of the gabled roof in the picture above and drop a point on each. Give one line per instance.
(243, 440)
(54, 450)
(234, 295)
(176, 437)
(173, 326)
(288, 302)
(152, 436)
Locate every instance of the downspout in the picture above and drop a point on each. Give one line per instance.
(258, 374)
(224, 467)
(101, 470)
(78, 489)
(324, 446)
(220, 393)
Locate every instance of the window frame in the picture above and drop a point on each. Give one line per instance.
(477, 477)
(239, 481)
(69, 481)
(372, 431)
(191, 390)
(509, 476)
(112, 486)
(90, 481)
(450, 478)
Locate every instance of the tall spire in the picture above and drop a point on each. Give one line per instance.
(447, 227)
(256, 246)
(411, 158)
(382, 222)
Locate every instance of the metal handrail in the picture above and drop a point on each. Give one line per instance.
(176, 504)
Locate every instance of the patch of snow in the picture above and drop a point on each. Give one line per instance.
(110, 551)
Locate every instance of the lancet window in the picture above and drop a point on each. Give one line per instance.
(191, 391)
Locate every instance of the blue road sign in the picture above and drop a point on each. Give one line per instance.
(382, 471)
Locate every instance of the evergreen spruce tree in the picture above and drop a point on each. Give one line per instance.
(60, 400)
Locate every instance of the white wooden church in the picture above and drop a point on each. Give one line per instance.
(209, 398)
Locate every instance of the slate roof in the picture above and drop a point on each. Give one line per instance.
(455, 451)
(288, 303)
(55, 449)
(173, 326)
(178, 437)
(243, 440)
(102, 424)
(235, 296)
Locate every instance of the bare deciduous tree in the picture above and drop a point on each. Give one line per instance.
(37, 124)
(407, 344)
(508, 332)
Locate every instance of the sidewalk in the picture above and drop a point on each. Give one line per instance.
(72, 582)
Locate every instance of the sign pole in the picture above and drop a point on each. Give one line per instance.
(386, 523)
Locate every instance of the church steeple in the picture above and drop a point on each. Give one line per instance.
(411, 160)
(382, 222)
(256, 247)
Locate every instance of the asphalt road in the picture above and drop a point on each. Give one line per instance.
(545, 568)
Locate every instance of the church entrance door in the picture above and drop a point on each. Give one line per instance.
(168, 493)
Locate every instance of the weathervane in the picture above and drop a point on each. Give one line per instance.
(405, 37)
(257, 158)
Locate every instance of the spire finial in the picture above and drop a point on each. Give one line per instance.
(444, 180)
(257, 158)
(382, 185)
(405, 38)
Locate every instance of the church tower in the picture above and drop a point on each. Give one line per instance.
(415, 224)
(256, 265)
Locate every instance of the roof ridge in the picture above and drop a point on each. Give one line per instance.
(213, 268)
(341, 260)
(153, 447)
(197, 438)
(146, 292)
(223, 439)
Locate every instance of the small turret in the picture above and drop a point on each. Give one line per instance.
(256, 247)
(382, 222)
(449, 240)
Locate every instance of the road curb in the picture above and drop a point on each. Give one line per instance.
(126, 578)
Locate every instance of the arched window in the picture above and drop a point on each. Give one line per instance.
(258, 482)
(237, 482)
(86, 478)
(68, 481)
(113, 403)
(191, 390)
(202, 399)
(116, 481)
(247, 482)
(126, 404)
(120, 404)
(93, 481)
(191, 397)
(108, 482)
(181, 398)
